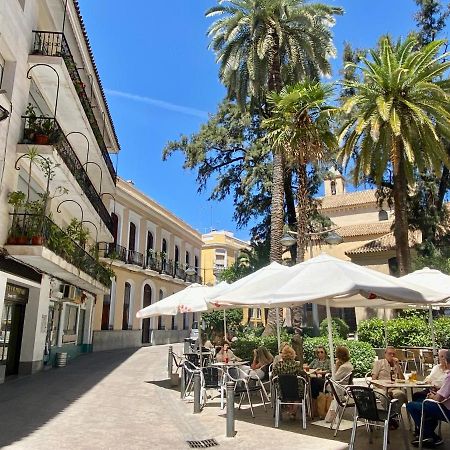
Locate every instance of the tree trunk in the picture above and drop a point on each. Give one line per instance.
(291, 214)
(400, 192)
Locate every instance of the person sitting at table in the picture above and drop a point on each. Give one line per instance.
(322, 363)
(262, 359)
(225, 354)
(432, 412)
(279, 357)
(287, 365)
(435, 378)
(389, 369)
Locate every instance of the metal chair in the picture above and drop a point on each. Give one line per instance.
(441, 407)
(246, 384)
(426, 359)
(341, 396)
(188, 372)
(373, 407)
(288, 394)
(410, 357)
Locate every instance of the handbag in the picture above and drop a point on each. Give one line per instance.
(323, 404)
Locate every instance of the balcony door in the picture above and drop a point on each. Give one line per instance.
(146, 301)
(132, 237)
(115, 222)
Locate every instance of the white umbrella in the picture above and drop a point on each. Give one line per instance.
(429, 277)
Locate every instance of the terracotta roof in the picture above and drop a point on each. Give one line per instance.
(366, 229)
(383, 244)
(91, 55)
(349, 199)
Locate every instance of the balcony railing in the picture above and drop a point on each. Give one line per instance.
(32, 229)
(46, 131)
(153, 261)
(54, 43)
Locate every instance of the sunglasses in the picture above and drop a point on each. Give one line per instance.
(320, 351)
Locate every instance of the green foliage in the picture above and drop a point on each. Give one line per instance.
(433, 257)
(412, 330)
(431, 19)
(339, 328)
(214, 323)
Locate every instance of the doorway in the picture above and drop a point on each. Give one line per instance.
(147, 300)
(11, 332)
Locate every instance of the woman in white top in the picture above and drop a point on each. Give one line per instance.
(435, 378)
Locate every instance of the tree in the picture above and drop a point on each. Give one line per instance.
(393, 118)
(261, 46)
(431, 19)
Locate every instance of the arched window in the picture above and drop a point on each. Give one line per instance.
(188, 257)
(177, 255)
(115, 223)
(164, 246)
(132, 237)
(160, 325)
(196, 264)
(382, 215)
(150, 242)
(146, 301)
(174, 323)
(126, 307)
(333, 187)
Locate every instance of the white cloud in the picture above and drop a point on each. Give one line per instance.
(159, 103)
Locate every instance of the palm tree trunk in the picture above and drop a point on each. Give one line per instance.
(400, 192)
(291, 213)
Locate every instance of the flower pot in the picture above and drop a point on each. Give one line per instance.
(37, 240)
(22, 240)
(41, 139)
(12, 240)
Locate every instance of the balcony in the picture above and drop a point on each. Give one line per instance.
(154, 262)
(36, 240)
(54, 45)
(45, 132)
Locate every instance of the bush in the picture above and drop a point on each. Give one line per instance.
(339, 328)
(442, 332)
(372, 332)
(248, 341)
(413, 331)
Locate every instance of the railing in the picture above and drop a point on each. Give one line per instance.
(54, 43)
(114, 251)
(35, 229)
(46, 131)
(135, 258)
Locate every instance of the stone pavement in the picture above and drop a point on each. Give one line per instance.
(122, 400)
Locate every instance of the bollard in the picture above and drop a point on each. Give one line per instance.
(230, 409)
(197, 389)
(170, 362)
(183, 382)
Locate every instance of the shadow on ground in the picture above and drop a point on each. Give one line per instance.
(28, 403)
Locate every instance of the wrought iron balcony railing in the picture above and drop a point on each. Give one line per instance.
(35, 229)
(115, 251)
(46, 131)
(54, 43)
(135, 258)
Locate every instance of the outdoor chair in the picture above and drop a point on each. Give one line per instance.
(410, 358)
(246, 384)
(213, 378)
(368, 379)
(287, 394)
(341, 396)
(177, 361)
(188, 372)
(440, 406)
(376, 410)
(401, 356)
(426, 359)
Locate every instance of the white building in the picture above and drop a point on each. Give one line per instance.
(58, 135)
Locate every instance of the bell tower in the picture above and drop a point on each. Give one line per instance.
(334, 183)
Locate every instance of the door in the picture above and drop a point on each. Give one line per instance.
(147, 300)
(81, 325)
(11, 335)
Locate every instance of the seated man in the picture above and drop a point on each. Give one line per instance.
(432, 412)
(389, 369)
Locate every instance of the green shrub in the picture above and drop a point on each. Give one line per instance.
(339, 327)
(372, 332)
(412, 331)
(442, 332)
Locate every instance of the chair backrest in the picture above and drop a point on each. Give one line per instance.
(288, 386)
(337, 390)
(350, 378)
(400, 354)
(211, 376)
(193, 358)
(427, 357)
(365, 402)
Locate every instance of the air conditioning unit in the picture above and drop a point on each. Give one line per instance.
(70, 293)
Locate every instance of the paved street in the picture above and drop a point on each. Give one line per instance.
(121, 399)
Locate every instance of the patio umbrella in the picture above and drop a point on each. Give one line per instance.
(429, 277)
(328, 281)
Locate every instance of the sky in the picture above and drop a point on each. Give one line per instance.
(161, 81)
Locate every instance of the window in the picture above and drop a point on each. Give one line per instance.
(2, 70)
(70, 324)
(106, 312)
(333, 187)
(196, 264)
(126, 307)
(132, 237)
(185, 321)
(382, 215)
(164, 246)
(174, 323)
(177, 255)
(187, 259)
(115, 222)
(149, 241)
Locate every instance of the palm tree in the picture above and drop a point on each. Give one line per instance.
(261, 46)
(300, 126)
(395, 118)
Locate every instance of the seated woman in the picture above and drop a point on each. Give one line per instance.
(279, 357)
(289, 366)
(322, 363)
(436, 377)
(225, 354)
(262, 359)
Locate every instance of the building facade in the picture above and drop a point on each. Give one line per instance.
(151, 251)
(56, 137)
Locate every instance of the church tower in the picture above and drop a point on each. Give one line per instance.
(334, 183)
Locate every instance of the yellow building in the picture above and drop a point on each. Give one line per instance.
(151, 250)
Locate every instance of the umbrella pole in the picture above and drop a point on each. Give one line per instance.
(225, 325)
(385, 328)
(433, 336)
(278, 329)
(330, 339)
(200, 338)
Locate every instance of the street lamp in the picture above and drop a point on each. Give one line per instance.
(333, 238)
(190, 271)
(287, 240)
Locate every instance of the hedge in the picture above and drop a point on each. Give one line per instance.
(362, 354)
(405, 332)
(339, 328)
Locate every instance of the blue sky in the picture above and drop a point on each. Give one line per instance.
(161, 81)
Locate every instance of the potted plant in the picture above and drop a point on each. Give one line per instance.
(16, 235)
(30, 124)
(44, 131)
(35, 224)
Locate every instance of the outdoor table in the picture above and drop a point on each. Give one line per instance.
(230, 364)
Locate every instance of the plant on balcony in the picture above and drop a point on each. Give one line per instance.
(16, 233)
(30, 124)
(77, 232)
